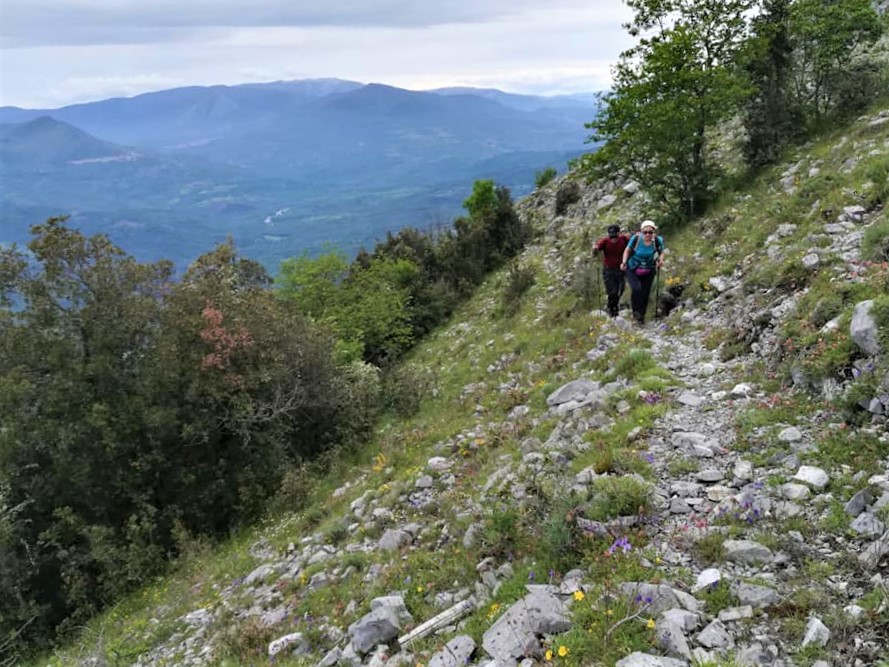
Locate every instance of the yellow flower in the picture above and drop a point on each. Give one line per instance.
(419, 589)
(650, 625)
(609, 612)
(563, 651)
(578, 595)
(549, 655)
(658, 561)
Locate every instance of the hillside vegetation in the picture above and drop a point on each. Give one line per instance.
(710, 488)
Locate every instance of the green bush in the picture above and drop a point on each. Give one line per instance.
(615, 497)
(586, 284)
(519, 279)
(404, 390)
(567, 194)
(877, 172)
(633, 364)
(543, 177)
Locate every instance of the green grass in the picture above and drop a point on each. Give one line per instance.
(541, 345)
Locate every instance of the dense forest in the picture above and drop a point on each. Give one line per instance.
(143, 410)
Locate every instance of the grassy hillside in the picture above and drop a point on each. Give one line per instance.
(488, 489)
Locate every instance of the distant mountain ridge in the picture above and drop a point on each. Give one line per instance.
(46, 140)
(347, 161)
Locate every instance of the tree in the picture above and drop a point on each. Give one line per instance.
(136, 408)
(312, 283)
(826, 34)
(483, 199)
(669, 91)
(78, 323)
(770, 116)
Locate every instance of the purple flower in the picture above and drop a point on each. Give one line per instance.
(621, 543)
(531, 575)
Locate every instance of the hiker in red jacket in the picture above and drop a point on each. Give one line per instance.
(612, 248)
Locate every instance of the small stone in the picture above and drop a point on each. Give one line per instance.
(706, 578)
(790, 434)
(710, 476)
(743, 470)
(730, 614)
(671, 638)
(438, 464)
(715, 635)
(854, 611)
(792, 491)
(755, 596)
(867, 524)
(639, 659)
(816, 633)
(858, 503)
(284, 642)
(456, 653)
(691, 400)
(717, 494)
(741, 390)
(393, 540)
(679, 506)
(747, 552)
(814, 477)
(811, 261)
(686, 620)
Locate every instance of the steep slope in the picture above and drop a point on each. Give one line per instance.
(576, 489)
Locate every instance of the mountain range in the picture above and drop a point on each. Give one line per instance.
(282, 167)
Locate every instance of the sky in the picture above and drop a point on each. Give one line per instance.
(58, 52)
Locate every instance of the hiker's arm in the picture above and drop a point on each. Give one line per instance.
(660, 256)
(625, 258)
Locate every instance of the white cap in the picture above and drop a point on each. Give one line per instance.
(648, 224)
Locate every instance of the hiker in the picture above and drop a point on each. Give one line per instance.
(612, 248)
(643, 257)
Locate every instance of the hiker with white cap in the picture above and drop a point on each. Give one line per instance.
(643, 257)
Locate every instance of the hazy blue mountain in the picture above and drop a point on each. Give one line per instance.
(45, 141)
(282, 167)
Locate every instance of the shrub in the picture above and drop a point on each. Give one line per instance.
(586, 284)
(500, 536)
(615, 497)
(633, 364)
(404, 390)
(543, 177)
(519, 279)
(567, 194)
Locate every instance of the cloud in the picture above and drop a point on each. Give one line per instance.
(27, 23)
(518, 46)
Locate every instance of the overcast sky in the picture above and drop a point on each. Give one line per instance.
(57, 52)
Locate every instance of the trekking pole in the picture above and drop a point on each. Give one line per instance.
(657, 291)
(599, 286)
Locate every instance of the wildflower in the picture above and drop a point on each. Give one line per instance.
(578, 595)
(621, 543)
(549, 655)
(650, 624)
(609, 612)
(563, 651)
(419, 589)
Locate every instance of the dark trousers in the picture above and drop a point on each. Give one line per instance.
(640, 288)
(614, 288)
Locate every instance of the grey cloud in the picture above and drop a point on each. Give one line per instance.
(27, 23)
